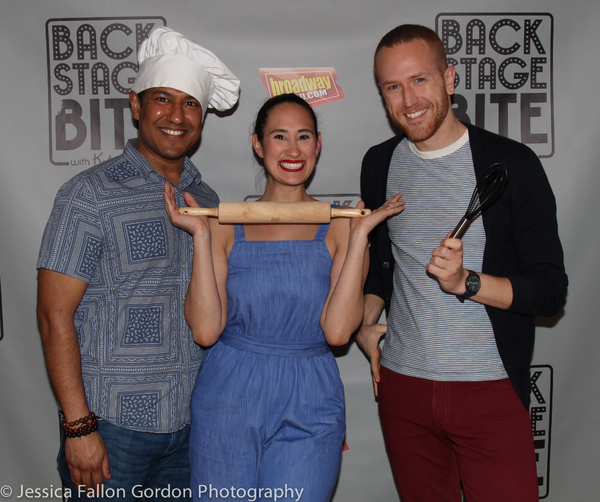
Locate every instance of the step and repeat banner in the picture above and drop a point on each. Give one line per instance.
(528, 71)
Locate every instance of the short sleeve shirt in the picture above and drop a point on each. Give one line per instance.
(109, 228)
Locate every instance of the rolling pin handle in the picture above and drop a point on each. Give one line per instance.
(199, 211)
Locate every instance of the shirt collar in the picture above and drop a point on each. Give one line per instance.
(189, 175)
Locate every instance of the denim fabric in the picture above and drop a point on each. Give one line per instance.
(144, 466)
(268, 416)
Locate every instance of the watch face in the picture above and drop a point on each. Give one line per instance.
(473, 283)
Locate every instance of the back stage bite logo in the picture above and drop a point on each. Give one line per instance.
(504, 80)
(92, 63)
(541, 379)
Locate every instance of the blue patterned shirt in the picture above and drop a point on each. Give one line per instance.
(109, 228)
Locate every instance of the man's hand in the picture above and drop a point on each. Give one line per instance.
(368, 338)
(446, 264)
(87, 459)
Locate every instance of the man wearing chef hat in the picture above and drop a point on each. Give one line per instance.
(113, 273)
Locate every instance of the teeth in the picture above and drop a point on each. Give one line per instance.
(292, 165)
(172, 132)
(416, 114)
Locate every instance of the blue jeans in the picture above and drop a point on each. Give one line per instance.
(144, 466)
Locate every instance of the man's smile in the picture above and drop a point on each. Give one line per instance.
(172, 132)
(414, 115)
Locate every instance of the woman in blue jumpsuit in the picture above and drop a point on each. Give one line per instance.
(268, 406)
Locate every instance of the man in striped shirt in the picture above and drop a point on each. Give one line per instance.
(452, 380)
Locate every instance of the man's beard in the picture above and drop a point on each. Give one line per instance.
(423, 133)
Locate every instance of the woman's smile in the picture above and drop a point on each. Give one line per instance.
(292, 166)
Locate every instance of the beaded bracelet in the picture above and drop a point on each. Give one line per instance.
(80, 421)
(87, 425)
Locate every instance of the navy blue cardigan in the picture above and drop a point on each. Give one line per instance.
(522, 244)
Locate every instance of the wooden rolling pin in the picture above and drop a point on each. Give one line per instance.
(275, 212)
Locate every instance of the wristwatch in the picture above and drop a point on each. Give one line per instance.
(473, 284)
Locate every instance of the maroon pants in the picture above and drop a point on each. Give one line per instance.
(441, 435)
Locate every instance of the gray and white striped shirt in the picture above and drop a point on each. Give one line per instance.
(430, 333)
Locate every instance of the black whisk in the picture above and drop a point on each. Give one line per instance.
(486, 192)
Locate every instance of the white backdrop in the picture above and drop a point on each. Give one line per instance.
(339, 34)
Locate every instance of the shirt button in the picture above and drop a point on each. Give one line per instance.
(386, 264)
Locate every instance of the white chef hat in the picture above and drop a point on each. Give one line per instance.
(168, 59)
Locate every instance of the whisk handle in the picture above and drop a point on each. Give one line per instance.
(461, 228)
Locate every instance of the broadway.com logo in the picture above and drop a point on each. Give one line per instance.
(504, 77)
(317, 86)
(92, 64)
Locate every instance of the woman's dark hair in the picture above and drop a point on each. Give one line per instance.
(265, 110)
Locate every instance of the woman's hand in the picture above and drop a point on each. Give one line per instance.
(192, 224)
(391, 207)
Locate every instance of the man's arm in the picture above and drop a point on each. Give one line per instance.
(370, 334)
(58, 298)
(530, 278)
(446, 264)
(522, 241)
(373, 170)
